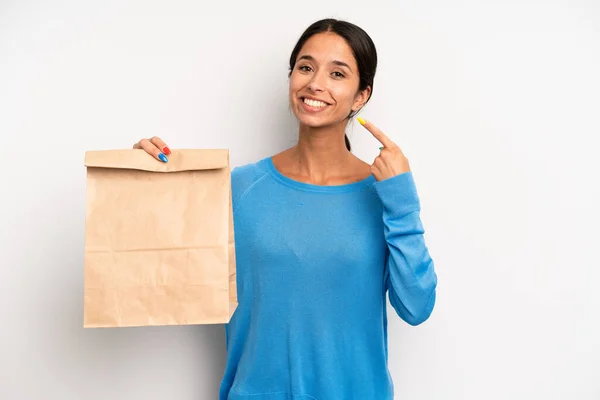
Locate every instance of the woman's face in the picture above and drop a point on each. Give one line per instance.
(324, 82)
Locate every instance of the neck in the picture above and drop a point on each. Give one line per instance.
(321, 152)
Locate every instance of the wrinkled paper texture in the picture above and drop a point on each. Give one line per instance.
(159, 241)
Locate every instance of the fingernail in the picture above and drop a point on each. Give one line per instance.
(167, 150)
(162, 157)
(362, 121)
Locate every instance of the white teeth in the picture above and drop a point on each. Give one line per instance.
(314, 103)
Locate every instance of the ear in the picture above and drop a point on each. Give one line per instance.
(361, 98)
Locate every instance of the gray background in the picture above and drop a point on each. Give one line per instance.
(495, 103)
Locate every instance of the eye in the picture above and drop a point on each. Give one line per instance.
(304, 68)
(338, 74)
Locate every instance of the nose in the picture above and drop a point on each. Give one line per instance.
(317, 83)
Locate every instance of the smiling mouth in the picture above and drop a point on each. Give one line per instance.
(314, 103)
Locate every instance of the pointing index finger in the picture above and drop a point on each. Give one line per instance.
(377, 133)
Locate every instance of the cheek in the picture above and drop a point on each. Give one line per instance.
(343, 94)
(292, 91)
(297, 82)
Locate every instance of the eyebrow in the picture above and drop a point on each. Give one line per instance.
(336, 62)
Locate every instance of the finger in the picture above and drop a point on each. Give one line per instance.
(151, 149)
(158, 142)
(377, 133)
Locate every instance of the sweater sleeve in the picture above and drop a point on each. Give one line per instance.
(410, 276)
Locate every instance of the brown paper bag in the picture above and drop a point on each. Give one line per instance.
(159, 241)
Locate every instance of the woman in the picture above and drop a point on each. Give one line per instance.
(321, 237)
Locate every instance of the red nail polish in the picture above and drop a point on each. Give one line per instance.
(166, 150)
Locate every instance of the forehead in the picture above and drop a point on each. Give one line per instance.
(326, 47)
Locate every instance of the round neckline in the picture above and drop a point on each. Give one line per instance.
(347, 187)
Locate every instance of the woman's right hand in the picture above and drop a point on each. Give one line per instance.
(155, 147)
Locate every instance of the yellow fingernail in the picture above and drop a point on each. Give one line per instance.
(362, 121)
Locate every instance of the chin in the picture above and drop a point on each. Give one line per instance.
(319, 122)
(313, 122)
(316, 121)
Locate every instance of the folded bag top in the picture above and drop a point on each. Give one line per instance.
(179, 160)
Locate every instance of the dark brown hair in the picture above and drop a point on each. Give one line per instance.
(359, 41)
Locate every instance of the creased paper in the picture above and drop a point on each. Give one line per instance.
(159, 241)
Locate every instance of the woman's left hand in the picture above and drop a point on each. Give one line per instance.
(391, 160)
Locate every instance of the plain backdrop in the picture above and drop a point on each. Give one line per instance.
(495, 103)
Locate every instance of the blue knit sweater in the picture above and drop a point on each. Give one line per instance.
(314, 264)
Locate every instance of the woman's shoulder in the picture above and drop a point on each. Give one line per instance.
(244, 176)
(249, 171)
